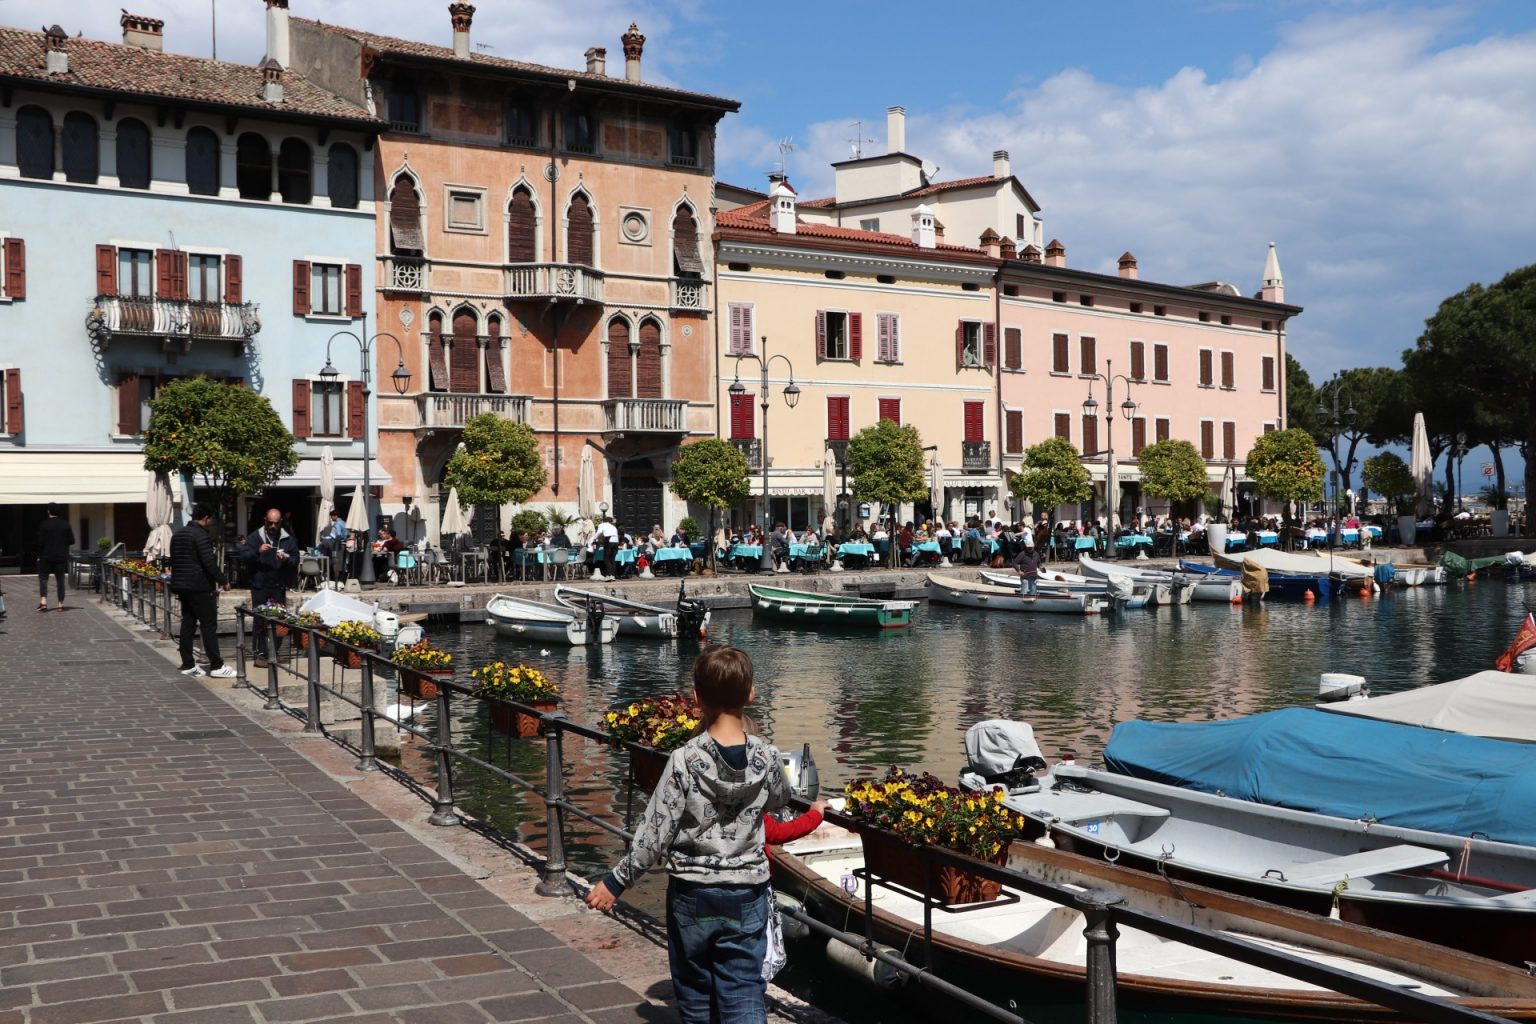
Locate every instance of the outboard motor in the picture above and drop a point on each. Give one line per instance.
(594, 621)
(1004, 753)
(692, 615)
(801, 773)
(1120, 588)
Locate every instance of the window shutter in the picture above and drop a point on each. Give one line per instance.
(1270, 428)
(128, 403)
(357, 404)
(1229, 440)
(685, 244)
(1090, 354)
(1162, 429)
(1138, 361)
(743, 427)
(1013, 348)
(234, 285)
(496, 379)
(648, 361)
(182, 264)
(1160, 362)
(13, 423)
(301, 408)
(741, 328)
(165, 274)
(837, 418)
(1059, 357)
(1269, 373)
(464, 377)
(15, 269)
(883, 338)
(1228, 377)
(856, 336)
(975, 430)
(1014, 430)
(1205, 368)
(1064, 425)
(1090, 435)
(106, 270)
(989, 345)
(960, 344)
(618, 360)
(354, 290)
(404, 219)
(821, 334)
(301, 304)
(522, 226)
(1207, 439)
(1138, 435)
(890, 409)
(578, 239)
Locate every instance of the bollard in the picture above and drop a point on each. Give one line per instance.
(239, 642)
(1101, 934)
(552, 882)
(367, 761)
(442, 802)
(312, 714)
(274, 702)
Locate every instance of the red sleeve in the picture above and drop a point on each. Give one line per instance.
(776, 832)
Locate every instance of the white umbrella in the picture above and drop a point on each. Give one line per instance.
(1422, 467)
(586, 485)
(158, 511)
(829, 481)
(327, 491)
(1229, 492)
(453, 518)
(936, 486)
(357, 515)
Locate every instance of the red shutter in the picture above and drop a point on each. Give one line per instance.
(1013, 348)
(960, 344)
(619, 360)
(1090, 435)
(301, 408)
(234, 285)
(301, 306)
(13, 423)
(1138, 360)
(357, 404)
(1090, 355)
(648, 361)
(128, 403)
(821, 334)
(1269, 373)
(354, 290)
(837, 418)
(1064, 425)
(1014, 430)
(1060, 361)
(856, 336)
(974, 427)
(890, 409)
(1228, 376)
(15, 268)
(989, 345)
(106, 270)
(1160, 362)
(165, 274)
(464, 361)
(1207, 439)
(1205, 368)
(743, 418)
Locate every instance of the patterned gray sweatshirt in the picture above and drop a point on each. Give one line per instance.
(706, 818)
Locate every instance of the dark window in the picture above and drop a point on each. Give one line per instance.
(1011, 290)
(968, 344)
(740, 268)
(253, 167)
(886, 278)
(522, 123)
(521, 228)
(325, 284)
(341, 177)
(1226, 321)
(1135, 307)
(1159, 310)
(1058, 296)
(202, 162)
(327, 408)
(578, 239)
(132, 154)
(1266, 325)
(684, 150)
(295, 167)
(1205, 317)
(203, 283)
(404, 106)
(34, 142)
(580, 130)
(82, 148)
(833, 275)
(832, 334)
(648, 361)
(405, 219)
(1085, 300)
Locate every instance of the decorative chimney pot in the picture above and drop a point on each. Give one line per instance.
(634, 45)
(1127, 266)
(57, 59)
(1055, 254)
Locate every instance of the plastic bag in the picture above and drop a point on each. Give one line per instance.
(776, 956)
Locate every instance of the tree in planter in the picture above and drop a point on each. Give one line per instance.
(1388, 475)
(1174, 471)
(713, 472)
(225, 434)
(529, 520)
(1053, 475)
(1286, 465)
(498, 463)
(557, 516)
(886, 461)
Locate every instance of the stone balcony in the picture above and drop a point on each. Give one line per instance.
(403, 274)
(644, 416)
(689, 294)
(558, 282)
(172, 321)
(975, 455)
(439, 411)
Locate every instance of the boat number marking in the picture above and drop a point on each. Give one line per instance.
(849, 883)
(1091, 827)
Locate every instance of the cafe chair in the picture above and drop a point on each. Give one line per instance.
(311, 571)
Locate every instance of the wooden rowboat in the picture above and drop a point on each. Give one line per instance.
(819, 611)
(970, 594)
(519, 619)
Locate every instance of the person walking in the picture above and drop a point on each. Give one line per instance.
(195, 580)
(267, 552)
(54, 539)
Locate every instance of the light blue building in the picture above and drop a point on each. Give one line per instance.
(164, 216)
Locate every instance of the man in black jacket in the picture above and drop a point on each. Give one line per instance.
(54, 539)
(269, 552)
(195, 577)
(1027, 564)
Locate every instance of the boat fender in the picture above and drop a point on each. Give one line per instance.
(847, 955)
(1309, 596)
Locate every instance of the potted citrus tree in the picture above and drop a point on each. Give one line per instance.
(655, 726)
(356, 634)
(418, 661)
(499, 683)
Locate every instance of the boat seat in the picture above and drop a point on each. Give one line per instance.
(1384, 861)
(1523, 898)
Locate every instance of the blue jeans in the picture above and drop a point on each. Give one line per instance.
(1027, 585)
(717, 936)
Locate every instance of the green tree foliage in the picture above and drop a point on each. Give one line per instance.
(886, 461)
(498, 463)
(1173, 470)
(1286, 465)
(228, 436)
(1053, 475)
(1300, 397)
(712, 472)
(529, 520)
(1378, 395)
(1388, 475)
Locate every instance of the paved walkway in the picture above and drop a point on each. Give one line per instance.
(165, 858)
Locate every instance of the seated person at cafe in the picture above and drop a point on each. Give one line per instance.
(558, 537)
(384, 550)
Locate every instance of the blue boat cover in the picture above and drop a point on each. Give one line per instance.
(1351, 768)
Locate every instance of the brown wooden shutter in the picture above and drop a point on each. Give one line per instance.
(1014, 430)
(1229, 440)
(496, 379)
(13, 421)
(1162, 430)
(890, 409)
(1228, 376)
(960, 344)
(821, 334)
(619, 361)
(1269, 373)
(183, 275)
(1060, 361)
(405, 219)
(1270, 428)
(522, 228)
(578, 239)
(234, 283)
(16, 268)
(1064, 425)
(1206, 373)
(648, 361)
(1207, 439)
(989, 345)
(354, 290)
(301, 408)
(1013, 348)
(301, 306)
(106, 270)
(1160, 362)
(128, 403)
(465, 357)
(1138, 435)
(1090, 434)
(357, 405)
(685, 244)
(856, 336)
(437, 355)
(1138, 361)
(165, 274)
(1089, 350)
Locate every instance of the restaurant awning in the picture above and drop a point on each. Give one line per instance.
(32, 477)
(349, 473)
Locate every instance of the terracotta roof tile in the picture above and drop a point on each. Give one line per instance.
(754, 218)
(133, 71)
(950, 186)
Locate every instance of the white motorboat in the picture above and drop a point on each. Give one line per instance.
(1408, 574)
(521, 619)
(1172, 587)
(636, 618)
(1286, 563)
(1122, 593)
(334, 607)
(1495, 705)
(971, 594)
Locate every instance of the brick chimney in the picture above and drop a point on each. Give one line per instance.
(1055, 254)
(781, 208)
(1128, 266)
(991, 243)
(277, 33)
(271, 81)
(143, 32)
(634, 45)
(57, 60)
(1031, 254)
(895, 129)
(461, 15)
(1009, 250)
(597, 60)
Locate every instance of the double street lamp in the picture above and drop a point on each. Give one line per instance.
(1128, 410)
(401, 379)
(791, 399)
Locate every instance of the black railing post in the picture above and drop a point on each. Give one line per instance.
(165, 611)
(1101, 934)
(274, 702)
(553, 882)
(367, 761)
(442, 802)
(154, 605)
(312, 678)
(239, 638)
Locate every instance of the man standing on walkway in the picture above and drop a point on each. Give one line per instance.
(195, 577)
(268, 551)
(1027, 565)
(607, 543)
(54, 539)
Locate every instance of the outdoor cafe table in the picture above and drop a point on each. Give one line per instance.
(742, 554)
(1084, 544)
(854, 549)
(1134, 540)
(928, 547)
(1236, 540)
(675, 560)
(1268, 539)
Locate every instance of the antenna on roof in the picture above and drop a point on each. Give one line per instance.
(858, 140)
(786, 147)
(213, 28)
(484, 46)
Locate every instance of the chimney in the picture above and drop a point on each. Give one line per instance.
(1031, 254)
(597, 60)
(1001, 167)
(634, 45)
(277, 33)
(1274, 284)
(1127, 266)
(461, 15)
(895, 129)
(1055, 254)
(145, 33)
(271, 81)
(923, 231)
(781, 208)
(57, 61)
(991, 243)
(1008, 250)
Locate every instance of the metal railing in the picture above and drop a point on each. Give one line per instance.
(975, 454)
(113, 315)
(145, 599)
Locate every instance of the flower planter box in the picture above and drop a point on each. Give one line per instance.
(519, 723)
(416, 682)
(303, 640)
(646, 766)
(282, 629)
(348, 658)
(897, 862)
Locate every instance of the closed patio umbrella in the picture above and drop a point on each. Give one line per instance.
(829, 482)
(158, 512)
(586, 485)
(453, 519)
(327, 491)
(936, 486)
(1422, 467)
(357, 515)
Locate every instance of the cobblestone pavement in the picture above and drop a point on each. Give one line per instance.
(166, 858)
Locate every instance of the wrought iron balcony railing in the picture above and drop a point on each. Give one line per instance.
(975, 455)
(752, 448)
(172, 320)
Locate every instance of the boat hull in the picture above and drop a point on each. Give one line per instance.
(518, 619)
(944, 590)
(1281, 585)
(829, 611)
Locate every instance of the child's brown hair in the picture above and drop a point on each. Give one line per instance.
(722, 678)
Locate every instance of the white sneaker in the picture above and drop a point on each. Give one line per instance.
(195, 670)
(222, 672)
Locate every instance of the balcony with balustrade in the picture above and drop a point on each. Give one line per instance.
(644, 416)
(447, 411)
(752, 448)
(690, 294)
(173, 322)
(975, 456)
(556, 282)
(403, 274)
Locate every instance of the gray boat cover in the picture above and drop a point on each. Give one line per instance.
(997, 746)
(1498, 705)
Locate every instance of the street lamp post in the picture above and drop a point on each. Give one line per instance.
(1334, 421)
(1128, 409)
(1461, 454)
(401, 379)
(791, 398)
